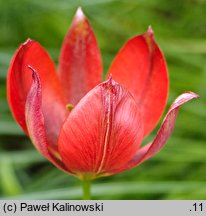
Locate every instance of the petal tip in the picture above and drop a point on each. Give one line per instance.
(188, 96)
(150, 32)
(110, 77)
(28, 41)
(183, 98)
(79, 14)
(32, 69)
(111, 85)
(110, 82)
(35, 75)
(193, 95)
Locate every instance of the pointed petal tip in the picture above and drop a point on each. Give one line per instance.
(110, 77)
(186, 96)
(150, 31)
(27, 41)
(33, 71)
(30, 67)
(183, 98)
(111, 85)
(110, 81)
(193, 95)
(35, 75)
(79, 14)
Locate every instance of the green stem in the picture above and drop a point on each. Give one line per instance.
(86, 185)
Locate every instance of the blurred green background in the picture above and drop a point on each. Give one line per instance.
(179, 170)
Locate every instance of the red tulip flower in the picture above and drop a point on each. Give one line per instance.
(84, 126)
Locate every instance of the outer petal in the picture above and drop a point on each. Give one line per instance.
(19, 82)
(35, 122)
(80, 60)
(163, 134)
(99, 134)
(141, 67)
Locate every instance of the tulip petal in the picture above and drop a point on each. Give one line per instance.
(35, 122)
(19, 82)
(99, 134)
(141, 67)
(163, 134)
(80, 60)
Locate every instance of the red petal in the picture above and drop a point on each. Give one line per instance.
(19, 82)
(80, 60)
(99, 134)
(35, 122)
(141, 67)
(163, 134)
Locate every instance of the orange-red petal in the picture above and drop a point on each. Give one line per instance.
(163, 134)
(103, 131)
(80, 60)
(141, 67)
(35, 122)
(19, 82)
